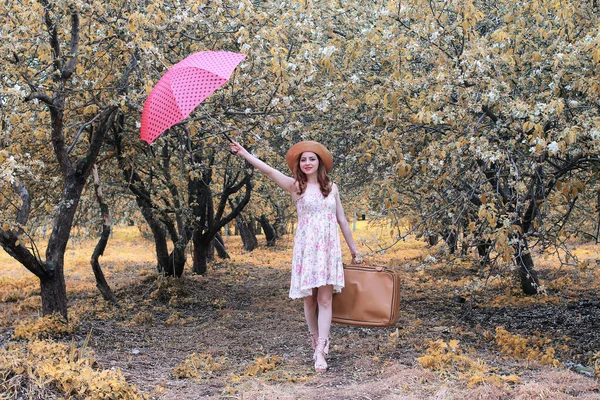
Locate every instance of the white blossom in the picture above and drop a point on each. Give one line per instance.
(328, 51)
(322, 105)
(553, 148)
(493, 95)
(429, 259)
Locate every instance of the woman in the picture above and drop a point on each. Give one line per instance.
(317, 270)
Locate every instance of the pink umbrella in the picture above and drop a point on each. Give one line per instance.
(184, 86)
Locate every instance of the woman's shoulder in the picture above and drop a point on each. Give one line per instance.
(333, 187)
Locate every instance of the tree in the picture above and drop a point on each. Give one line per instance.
(70, 68)
(49, 66)
(495, 110)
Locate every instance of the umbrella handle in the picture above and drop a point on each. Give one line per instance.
(227, 136)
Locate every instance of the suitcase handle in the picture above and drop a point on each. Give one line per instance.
(378, 268)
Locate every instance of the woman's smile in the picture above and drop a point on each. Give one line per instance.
(309, 162)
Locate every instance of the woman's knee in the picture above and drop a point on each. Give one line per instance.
(325, 296)
(310, 301)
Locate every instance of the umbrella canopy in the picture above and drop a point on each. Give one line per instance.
(183, 87)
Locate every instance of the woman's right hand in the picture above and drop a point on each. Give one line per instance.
(357, 258)
(237, 148)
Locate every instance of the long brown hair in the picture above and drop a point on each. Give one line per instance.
(322, 178)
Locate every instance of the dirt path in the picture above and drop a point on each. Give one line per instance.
(240, 315)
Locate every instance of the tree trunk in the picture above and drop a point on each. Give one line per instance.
(101, 282)
(159, 235)
(527, 273)
(432, 239)
(52, 284)
(598, 222)
(219, 245)
(210, 222)
(176, 261)
(54, 291)
(257, 227)
(201, 251)
(280, 223)
(210, 251)
(483, 250)
(143, 200)
(270, 233)
(452, 241)
(246, 228)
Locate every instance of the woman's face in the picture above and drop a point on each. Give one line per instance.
(309, 163)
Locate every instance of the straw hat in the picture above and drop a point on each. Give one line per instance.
(296, 151)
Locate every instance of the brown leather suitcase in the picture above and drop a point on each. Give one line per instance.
(370, 297)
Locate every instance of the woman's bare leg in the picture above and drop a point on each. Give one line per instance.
(324, 299)
(311, 313)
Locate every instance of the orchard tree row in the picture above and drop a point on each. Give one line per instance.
(474, 122)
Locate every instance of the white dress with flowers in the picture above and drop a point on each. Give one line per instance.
(317, 255)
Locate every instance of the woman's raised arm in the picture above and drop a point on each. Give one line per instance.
(284, 181)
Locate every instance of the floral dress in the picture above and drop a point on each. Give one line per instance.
(317, 255)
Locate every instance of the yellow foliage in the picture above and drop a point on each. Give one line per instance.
(38, 365)
(561, 283)
(494, 379)
(448, 360)
(30, 303)
(596, 361)
(198, 366)
(168, 288)
(175, 319)
(519, 300)
(16, 289)
(534, 348)
(262, 365)
(45, 327)
(142, 317)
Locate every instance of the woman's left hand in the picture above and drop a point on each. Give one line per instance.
(357, 258)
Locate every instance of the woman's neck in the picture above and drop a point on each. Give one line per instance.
(312, 179)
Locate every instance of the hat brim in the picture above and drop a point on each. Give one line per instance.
(296, 151)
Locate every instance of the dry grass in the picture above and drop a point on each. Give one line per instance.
(234, 333)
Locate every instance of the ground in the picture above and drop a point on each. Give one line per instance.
(233, 333)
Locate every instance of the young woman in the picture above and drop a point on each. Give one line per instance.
(317, 270)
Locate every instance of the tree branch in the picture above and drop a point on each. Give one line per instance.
(73, 45)
(80, 131)
(43, 97)
(23, 213)
(97, 140)
(235, 212)
(12, 245)
(123, 82)
(489, 113)
(53, 32)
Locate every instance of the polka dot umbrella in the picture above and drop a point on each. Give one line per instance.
(183, 87)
